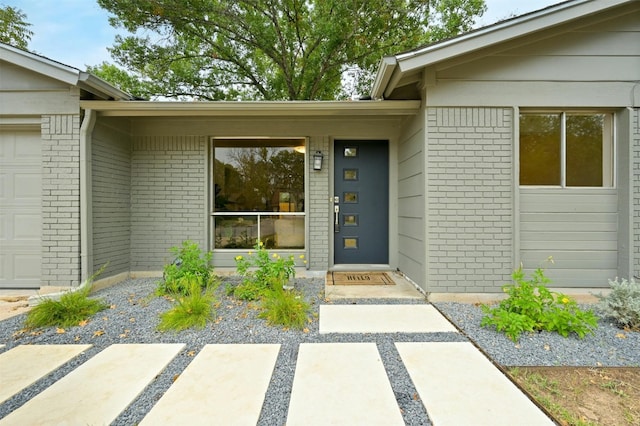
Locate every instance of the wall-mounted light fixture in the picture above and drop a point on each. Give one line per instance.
(317, 161)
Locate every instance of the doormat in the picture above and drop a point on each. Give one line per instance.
(361, 278)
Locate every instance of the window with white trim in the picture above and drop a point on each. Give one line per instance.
(566, 149)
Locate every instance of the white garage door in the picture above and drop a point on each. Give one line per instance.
(20, 209)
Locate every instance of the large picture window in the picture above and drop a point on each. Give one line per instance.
(566, 149)
(258, 193)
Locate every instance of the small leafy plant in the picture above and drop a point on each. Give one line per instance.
(190, 265)
(284, 307)
(193, 309)
(623, 303)
(530, 306)
(70, 310)
(261, 272)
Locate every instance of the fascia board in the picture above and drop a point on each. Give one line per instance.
(39, 64)
(385, 71)
(251, 109)
(503, 32)
(100, 87)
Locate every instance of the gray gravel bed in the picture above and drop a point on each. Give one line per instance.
(607, 346)
(133, 318)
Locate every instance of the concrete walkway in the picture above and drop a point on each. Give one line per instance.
(334, 383)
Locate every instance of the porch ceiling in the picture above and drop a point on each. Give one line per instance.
(253, 109)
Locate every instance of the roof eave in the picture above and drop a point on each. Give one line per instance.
(252, 109)
(386, 69)
(39, 64)
(101, 88)
(503, 32)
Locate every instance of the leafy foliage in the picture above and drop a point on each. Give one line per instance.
(193, 309)
(284, 307)
(271, 49)
(530, 306)
(190, 265)
(14, 29)
(262, 272)
(623, 303)
(69, 311)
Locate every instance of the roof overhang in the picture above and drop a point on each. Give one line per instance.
(61, 72)
(252, 109)
(409, 64)
(101, 88)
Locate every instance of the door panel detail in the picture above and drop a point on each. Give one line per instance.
(350, 197)
(350, 174)
(361, 224)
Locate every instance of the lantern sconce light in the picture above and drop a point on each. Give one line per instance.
(317, 160)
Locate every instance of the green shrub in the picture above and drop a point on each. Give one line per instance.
(530, 306)
(284, 307)
(193, 309)
(261, 272)
(623, 303)
(190, 262)
(69, 311)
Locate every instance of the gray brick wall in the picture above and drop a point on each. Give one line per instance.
(60, 200)
(111, 192)
(168, 196)
(470, 198)
(635, 171)
(318, 212)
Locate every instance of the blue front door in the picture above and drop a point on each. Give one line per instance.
(361, 202)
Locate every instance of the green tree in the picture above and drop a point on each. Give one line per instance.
(14, 29)
(271, 49)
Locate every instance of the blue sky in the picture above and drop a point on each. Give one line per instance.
(77, 32)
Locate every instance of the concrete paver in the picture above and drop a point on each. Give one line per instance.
(98, 390)
(23, 365)
(382, 319)
(224, 384)
(334, 383)
(341, 384)
(459, 386)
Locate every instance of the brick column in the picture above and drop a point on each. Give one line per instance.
(60, 200)
(318, 213)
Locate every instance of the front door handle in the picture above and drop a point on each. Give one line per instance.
(336, 210)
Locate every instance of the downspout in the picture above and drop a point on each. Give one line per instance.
(86, 200)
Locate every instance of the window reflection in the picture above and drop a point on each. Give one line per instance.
(258, 178)
(540, 149)
(259, 194)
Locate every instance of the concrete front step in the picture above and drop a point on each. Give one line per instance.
(341, 384)
(99, 390)
(224, 384)
(459, 386)
(382, 319)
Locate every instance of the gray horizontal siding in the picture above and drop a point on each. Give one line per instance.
(578, 228)
(635, 190)
(410, 205)
(595, 64)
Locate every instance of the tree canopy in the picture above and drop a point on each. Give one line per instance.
(268, 49)
(14, 29)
